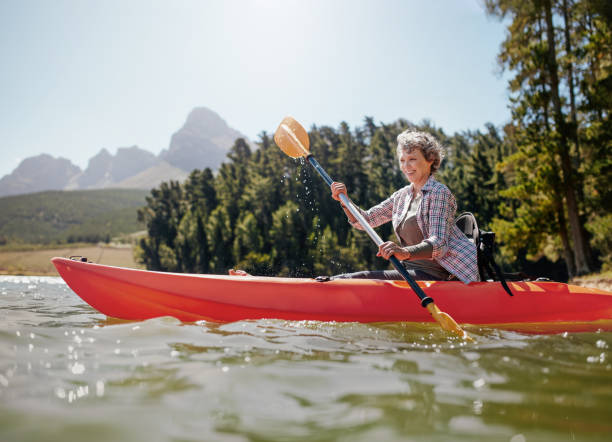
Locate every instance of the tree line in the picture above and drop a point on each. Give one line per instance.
(541, 182)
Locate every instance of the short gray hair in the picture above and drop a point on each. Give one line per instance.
(431, 148)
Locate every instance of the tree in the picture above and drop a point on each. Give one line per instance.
(219, 231)
(547, 50)
(162, 215)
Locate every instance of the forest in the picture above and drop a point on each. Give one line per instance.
(541, 182)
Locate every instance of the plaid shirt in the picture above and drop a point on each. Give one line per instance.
(436, 219)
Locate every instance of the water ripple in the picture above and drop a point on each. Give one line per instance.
(75, 372)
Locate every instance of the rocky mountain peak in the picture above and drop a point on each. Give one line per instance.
(203, 141)
(105, 169)
(41, 172)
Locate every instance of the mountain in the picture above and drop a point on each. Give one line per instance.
(153, 176)
(203, 141)
(106, 170)
(28, 176)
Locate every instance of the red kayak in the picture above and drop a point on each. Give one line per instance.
(139, 294)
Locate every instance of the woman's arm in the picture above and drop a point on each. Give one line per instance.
(421, 250)
(375, 216)
(337, 189)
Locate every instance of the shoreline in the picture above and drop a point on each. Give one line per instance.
(38, 262)
(593, 281)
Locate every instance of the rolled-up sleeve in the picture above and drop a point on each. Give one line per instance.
(377, 215)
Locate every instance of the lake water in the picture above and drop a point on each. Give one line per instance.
(68, 373)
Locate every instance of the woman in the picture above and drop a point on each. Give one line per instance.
(431, 247)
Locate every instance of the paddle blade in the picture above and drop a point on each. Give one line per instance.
(292, 138)
(446, 322)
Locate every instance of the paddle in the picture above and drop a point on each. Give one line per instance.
(292, 139)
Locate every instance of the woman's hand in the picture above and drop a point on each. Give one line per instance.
(338, 188)
(389, 248)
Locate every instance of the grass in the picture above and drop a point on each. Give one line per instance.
(25, 247)
(38, 262)
(70, 216)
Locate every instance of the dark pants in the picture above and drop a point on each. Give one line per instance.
(393, 275)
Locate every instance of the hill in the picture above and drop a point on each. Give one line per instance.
(70, 216)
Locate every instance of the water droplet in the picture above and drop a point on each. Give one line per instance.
(82, 391)
(479, 383)
(77, 368)
(100, 388)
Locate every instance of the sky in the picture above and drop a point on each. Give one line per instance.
(77, 76)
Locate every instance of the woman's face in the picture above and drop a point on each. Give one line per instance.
(414, 166)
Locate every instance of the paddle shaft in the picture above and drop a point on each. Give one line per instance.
(372, 234)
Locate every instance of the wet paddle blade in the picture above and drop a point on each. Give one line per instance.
(292, 138)
(447, 322)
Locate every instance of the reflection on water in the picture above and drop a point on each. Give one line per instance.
(67, 372)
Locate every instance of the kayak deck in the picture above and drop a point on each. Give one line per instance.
(539, 307)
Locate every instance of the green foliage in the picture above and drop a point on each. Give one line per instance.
(333, 258)
(269, 214)
(70, 216)
(162, 215)
(601, 229)
(560, 55)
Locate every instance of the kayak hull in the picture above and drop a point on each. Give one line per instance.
(139, 294)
